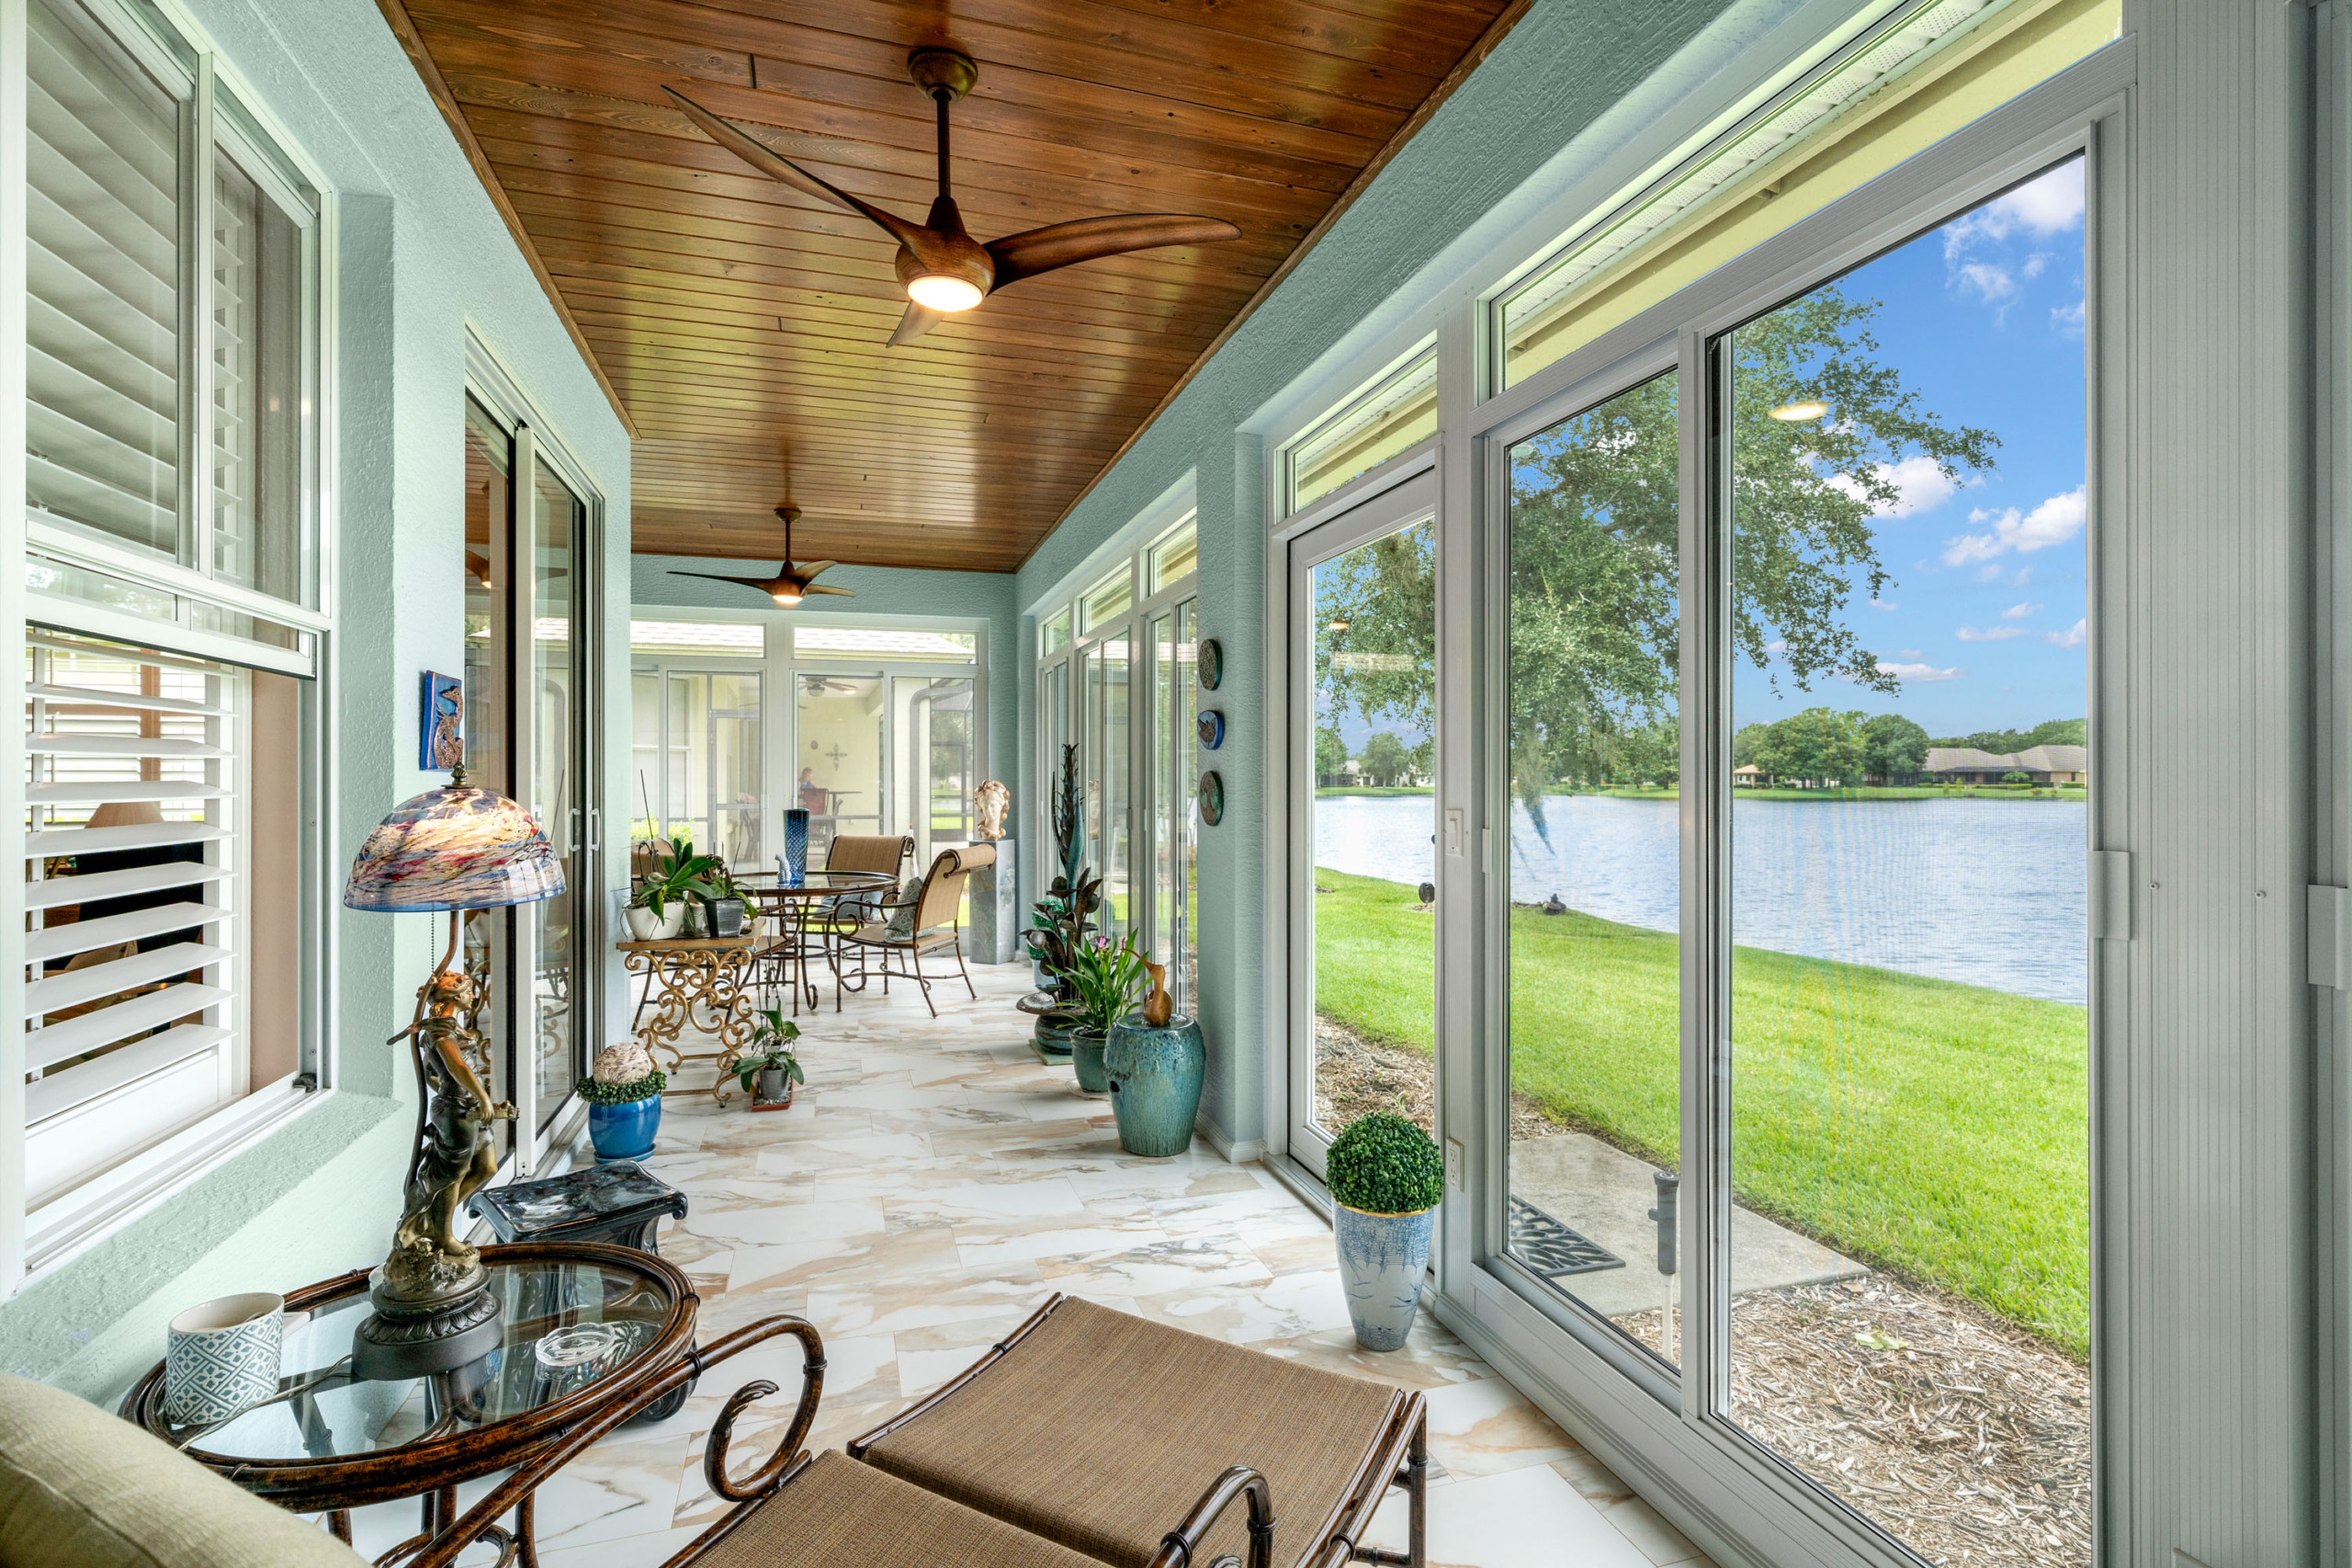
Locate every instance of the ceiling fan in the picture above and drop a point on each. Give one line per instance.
(943, 268)
(794, 583)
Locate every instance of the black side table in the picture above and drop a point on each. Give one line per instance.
(615, 1201)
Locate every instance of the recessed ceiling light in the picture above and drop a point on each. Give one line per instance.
(1797, 413)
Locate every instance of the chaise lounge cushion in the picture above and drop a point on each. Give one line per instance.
(83, 1488)
(841, 1514)
(1099, 1429)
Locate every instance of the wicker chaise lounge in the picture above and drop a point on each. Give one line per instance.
(827, 1511)
(1086, 1425)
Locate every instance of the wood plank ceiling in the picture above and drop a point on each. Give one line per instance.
(742, 326)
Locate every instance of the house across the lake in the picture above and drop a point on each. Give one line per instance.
(2040, 764)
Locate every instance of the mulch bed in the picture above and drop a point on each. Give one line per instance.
(1966, 1439)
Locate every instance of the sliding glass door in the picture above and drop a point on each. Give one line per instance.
(1360, 605)
(1791, 956)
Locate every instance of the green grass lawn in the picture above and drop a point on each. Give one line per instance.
(1938, 1129)
(1380, 791)
(1860, 792)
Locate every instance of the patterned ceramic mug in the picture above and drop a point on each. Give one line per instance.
(222, 1357)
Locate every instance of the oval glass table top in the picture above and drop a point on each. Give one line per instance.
(570, 1324)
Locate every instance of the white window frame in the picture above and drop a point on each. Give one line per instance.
(33, 1245)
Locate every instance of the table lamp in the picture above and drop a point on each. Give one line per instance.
(453, 848)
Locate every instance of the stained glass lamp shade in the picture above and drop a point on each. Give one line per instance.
(456, 848)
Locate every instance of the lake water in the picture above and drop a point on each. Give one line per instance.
(1989, 892)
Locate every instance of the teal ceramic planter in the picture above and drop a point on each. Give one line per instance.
(1155, 1076)
(1086, 1060)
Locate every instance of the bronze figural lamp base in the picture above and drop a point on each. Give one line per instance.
(433, 1310)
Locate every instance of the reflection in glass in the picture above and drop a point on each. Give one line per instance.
(257, 263)
(1105, 771)
(489, 513)
(1175, 713)
(935, 761)
(557, 520)
(1596, 974)
(1372, 980)
(1909, 1322)
(710, 772)
(840, 780)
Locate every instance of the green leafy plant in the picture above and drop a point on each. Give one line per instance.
(679, 874)
(771, 1043)
(1110, 980)
(596, 1092)
(1061, 923)
(1385, 1165)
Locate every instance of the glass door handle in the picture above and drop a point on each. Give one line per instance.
(595, 828)
(572, 830)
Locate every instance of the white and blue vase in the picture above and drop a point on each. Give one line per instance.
(1382, 1260)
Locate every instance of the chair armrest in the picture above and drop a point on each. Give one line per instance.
(1177, 1547)
(479, 1521)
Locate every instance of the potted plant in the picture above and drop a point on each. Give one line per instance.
(726, 912)
(623, 1089)
(1386, 1179)
(768, 1070)
(1060, 922)
(1155, 1060)
(657, 909)
(1108, 980)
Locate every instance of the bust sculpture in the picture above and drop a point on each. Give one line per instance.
(992, 801)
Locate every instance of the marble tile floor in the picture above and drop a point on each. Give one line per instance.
(932, 1186)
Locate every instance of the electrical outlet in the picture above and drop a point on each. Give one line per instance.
(1453, 1158)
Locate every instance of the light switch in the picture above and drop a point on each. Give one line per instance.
(1453, 1158)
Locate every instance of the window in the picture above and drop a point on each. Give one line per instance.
(119, 416)
(173, 877)
(165, 891)
(1908, 88)
(884, 642)
(722, 639)
(1175, 556)
(1394, 412)
(1106, 602)
(1053, 632)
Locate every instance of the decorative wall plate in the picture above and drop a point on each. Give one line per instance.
(1212, 798)
(1212, 727)
(1212, 664)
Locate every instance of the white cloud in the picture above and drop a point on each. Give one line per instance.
(1990, 574)
(1989, 281)
(2033, 265)
(2041, 208)
(2054, 522)
(1920, 674)
(2071, 638)
(1919, 484)
(1884, 605)
(2019, 612)
(2066, 320)
(1990, 634)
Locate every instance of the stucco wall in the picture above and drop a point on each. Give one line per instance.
(1563, 67)
(422, 256)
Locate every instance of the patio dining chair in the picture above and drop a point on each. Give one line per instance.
(826, 921)
(905, 929)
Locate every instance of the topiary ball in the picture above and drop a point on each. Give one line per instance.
(1385, 1165)
(625, 1062)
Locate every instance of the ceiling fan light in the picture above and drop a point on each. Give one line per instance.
(786, 597)
(938, 291)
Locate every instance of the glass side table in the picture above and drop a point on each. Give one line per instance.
(585, 1325)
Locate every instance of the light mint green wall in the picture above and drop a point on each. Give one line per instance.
(424, 255)
(1565, 64)
(881, 592)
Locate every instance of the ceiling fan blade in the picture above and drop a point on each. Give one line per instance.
(811, 567)
(915, 322)
(759, 582)
(821, 588)
(777, 166)
(1056, 245)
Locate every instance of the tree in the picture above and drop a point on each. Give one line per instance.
(1384, 758)
(1820, 745)
(2014, 777)
(1595, 561)
(1750, 744)
(1330, 751)
(1892, 747)
(2000, 742)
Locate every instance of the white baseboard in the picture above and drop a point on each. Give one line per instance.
(1237, 1151)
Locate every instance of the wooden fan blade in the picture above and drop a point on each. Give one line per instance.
(810, 568)
(761, 584)
(777, 166)
(821, 588)
(1090, 238)
(915, 322)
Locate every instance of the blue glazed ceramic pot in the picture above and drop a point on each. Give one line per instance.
(1086, 1060)
(1051, 1041)
(1155, 1083)
(1383, 1259)
(624, 1132)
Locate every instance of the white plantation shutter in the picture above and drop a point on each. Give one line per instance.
(102, 279)
(134, 1008)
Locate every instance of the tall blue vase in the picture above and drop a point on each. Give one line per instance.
(1382, 1260)
(1155, 1076)
(796, 843)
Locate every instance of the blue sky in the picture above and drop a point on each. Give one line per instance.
(1984, 319)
